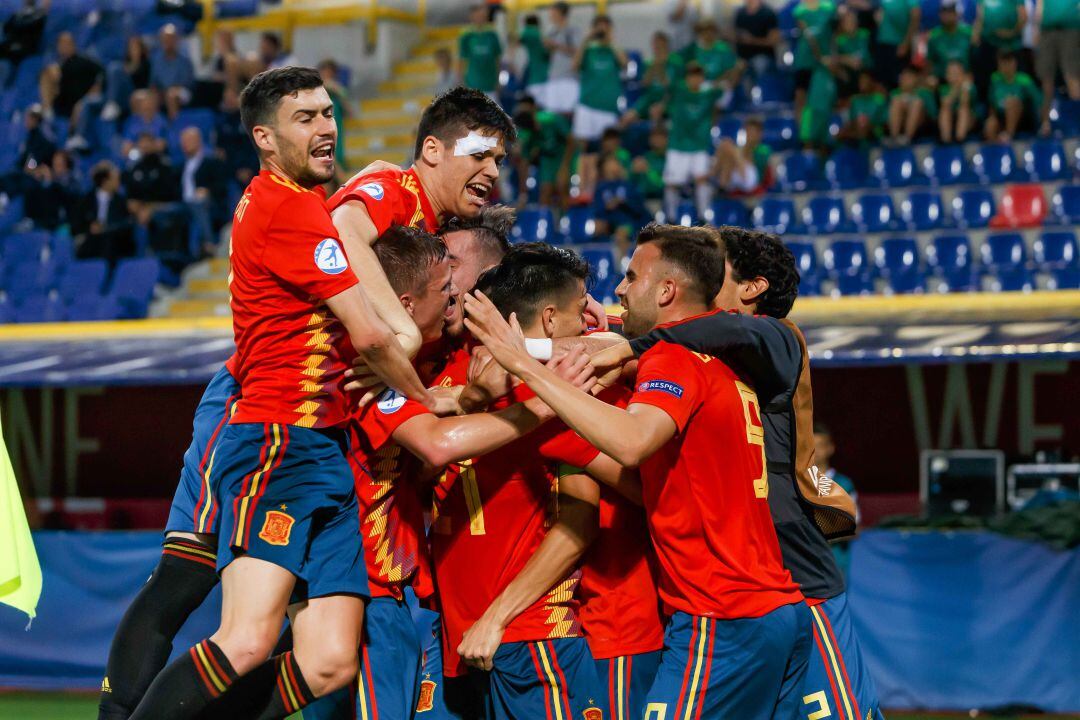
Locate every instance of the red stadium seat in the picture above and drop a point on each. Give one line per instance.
(1021, 206)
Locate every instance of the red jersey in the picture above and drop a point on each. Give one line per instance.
(291, 352)
(620, 608)
(391, 511)
(491, 522)
(706, 490)
(392, 197)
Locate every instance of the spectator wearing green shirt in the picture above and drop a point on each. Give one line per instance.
(898, 23)
(480, 53)
(599, 65)
(814, 19)
(647, 171)
(718, 59)
(958, 104)
(851, 52)
(999, 25)
(743, 169)
(1057, 50)
(911, 106)
(660, 72)
(692, 109)
(867, 112)
(949, 42)
(536, 64)
(1014, 100)
(543, 144)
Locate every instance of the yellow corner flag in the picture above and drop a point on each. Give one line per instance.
(20, 572)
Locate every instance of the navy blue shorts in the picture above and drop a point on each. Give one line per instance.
(750, 669)
(193, 507)
(627, 679)
(552, 679)
(287, 497)
(838, 683)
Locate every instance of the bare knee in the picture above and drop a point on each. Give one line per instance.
(246, 646)
(333, 665)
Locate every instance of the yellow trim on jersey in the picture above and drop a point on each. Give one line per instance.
(832, 658)
(552, 682)
(286, 182)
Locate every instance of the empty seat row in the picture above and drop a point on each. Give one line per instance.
(82, 289)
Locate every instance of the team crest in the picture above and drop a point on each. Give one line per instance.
(277, 527)
(427, 696)
(373, 190)
(593, 713)
(330, 258)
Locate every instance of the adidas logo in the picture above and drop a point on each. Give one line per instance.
(823, 483)
(105, 687)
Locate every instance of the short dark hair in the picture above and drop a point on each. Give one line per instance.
(101, 172)
(611, 132)
(274, 38)
(530, 275)
(260, 98)
(1004, 55)
(752, 254)
(697, 251)
(406, 253)
(461, 109)
(491, 228)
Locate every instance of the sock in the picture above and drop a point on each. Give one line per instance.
(185, 575)
(703, 193)
(190, 683)
(291, 692)
(249, 695)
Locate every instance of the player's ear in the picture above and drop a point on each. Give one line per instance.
(407, 303)
(264, 138)
(666, 292)
(753, 289)
(432, 151)
(548, 318)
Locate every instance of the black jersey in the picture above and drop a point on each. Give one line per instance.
(807, 508)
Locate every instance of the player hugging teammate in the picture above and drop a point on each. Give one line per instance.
(588, 546)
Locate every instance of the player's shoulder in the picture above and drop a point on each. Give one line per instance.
(268, 192)
(376, 185)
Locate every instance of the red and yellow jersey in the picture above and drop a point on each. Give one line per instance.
(291, 352)
(392, 197)
(620, 608)
(706, 490)
(490, 523)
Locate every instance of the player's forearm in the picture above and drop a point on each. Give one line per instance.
(384, 299)
(453, 439)
(622, 480)
(388, 360)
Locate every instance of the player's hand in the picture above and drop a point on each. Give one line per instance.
(360, 379)
(488, 378)
(595, 315)
(505, 340)
(480, 642)
(375, 166)
(444, 401)
(574, 367)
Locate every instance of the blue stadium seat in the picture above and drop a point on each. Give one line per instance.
(1046, 160)
(94, 307)
(685, 214)
(897, 168)
(729, 127)
(897, 260)
(29, 278)
(1056, 250)
(604, 274)
(847, 257)
(855, 284)
(726, 211)
(874, 212)
(806, 262)
(847, 169)
(1065, 279)
(235, 8)
(946, 165)
(1004, 251)
(973, 208)
(800, 171)
(82, 279)
(1012, 280)
(133, 285)
(39, 308)
(780, 133)
(826, 215)
(578, 225)
(775, 215)
(7, 310)
(1067, 204)
(906, 283)
(534, 224)
(26, 246)
(948, 257)
(923, 210)
(1065, 116)
(774, 88)
(996, 163)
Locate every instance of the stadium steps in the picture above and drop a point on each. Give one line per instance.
(204, 290)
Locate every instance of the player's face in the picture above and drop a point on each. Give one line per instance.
(469, 179)
(568, 318)
(467, 267)
(638, 291)
(432, 309)
(304, 137)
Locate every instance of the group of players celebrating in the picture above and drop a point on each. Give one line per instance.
(608, 518)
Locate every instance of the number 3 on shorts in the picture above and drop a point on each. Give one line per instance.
(823, 710)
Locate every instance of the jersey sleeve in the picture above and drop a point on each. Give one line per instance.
(668, 379)
(568, 448)
(303, 249)
(383, 197)
(389, 412)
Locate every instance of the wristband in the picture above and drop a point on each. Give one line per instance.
(538, 349)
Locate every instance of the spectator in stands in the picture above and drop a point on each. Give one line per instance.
(171, 71)
(999, 25)
(65, 83)
(233, 143)
(814, 19)
(911, 107)
(949, 42)
(23, 32)
(145, 118)
(617, 206)
(867, 113)
(127, 76)
(693, 109)
(722, 67)
(101, 227)
(661, 70)
(1014, 101)
(851, 52)
(743, 170)
(898, 24)
(447, 78)
(203, 183)
(271, 54)
(544, 146)
(757, 36)
(958, 104)
(222, 69)
(682, 17)
(536, 57)
(647, 171)
(339, 96)
(1057, 51)
(561, 40)
(821, 97)
(38, 144)
(151, 180)
(824, 449)
(600, 64)
(51, 192)
(480, 54)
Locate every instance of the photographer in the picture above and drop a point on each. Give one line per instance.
(600, 65)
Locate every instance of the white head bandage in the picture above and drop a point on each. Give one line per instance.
(474, 143)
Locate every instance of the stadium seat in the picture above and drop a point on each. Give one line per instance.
(534, 224)
(1004, 251)
(726, 211)
(996, 163)
(94, 307)
(1056, 250)
(603, 272)
(772, 88)
(1067, 204)
(775, 215)
(1012, 280)
(874, 212)
(906, 283)
(799, 172)
(846, 257)
(7, 310)
(30, 278)
(1046, 160)
(897, 168)
(26, 246)
(133, 285)
(578, 225)
(807, 263)
(946, 165)
(897, 260)
(780, 133)
(1020, 206)
(39, 308)
(729, 127)
(922, 210)
(1065, 116)
(685, 214)
(82, 279)
(948, 257)
(1065, 279)
(854, 284)
(826, 215)
(973, 208)
(847, 169)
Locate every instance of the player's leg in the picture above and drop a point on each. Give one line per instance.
(390, 679)
(837, 682)
(627, 679)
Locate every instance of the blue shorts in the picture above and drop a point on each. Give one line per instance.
(193, 507)
(549, 679)
(838, 683)
(627, 679)
(750, 669)
(286, 496)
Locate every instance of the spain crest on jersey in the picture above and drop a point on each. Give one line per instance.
(277, 527)
(427, 696)
(593, 713)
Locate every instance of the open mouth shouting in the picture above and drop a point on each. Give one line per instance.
(324, 152)
(477, 193)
